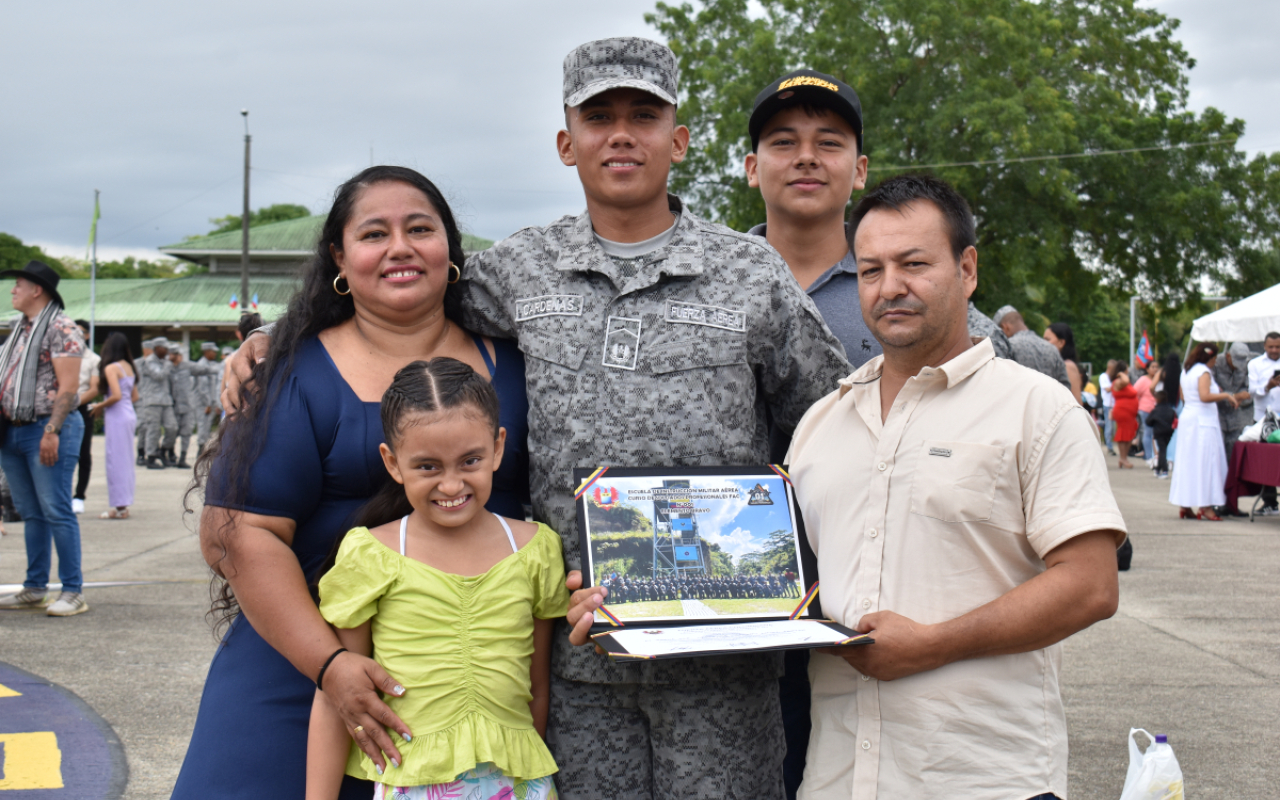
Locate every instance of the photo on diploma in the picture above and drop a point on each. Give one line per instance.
(691, 555)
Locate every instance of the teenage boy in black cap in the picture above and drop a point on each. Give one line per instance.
(807, 160)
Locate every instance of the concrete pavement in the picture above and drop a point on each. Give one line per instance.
(1192, 652)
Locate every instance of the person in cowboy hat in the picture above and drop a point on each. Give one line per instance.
(40, 444)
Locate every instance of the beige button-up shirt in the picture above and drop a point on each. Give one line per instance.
(980, 468)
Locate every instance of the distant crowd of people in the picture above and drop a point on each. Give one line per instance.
(700, 587)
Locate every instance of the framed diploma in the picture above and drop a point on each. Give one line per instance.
(699, 560)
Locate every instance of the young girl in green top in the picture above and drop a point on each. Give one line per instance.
(454, 601)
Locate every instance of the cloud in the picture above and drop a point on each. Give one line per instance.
(737, 543)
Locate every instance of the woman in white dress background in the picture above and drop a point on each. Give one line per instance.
(1200, 473)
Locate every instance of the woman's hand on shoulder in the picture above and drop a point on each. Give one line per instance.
(238, 370)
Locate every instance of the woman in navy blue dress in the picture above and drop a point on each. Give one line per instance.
(287, 475)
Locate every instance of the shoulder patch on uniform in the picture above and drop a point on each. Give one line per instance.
(548, 305)
(711, 316)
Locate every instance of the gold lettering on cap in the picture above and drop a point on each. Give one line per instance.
(805, 80)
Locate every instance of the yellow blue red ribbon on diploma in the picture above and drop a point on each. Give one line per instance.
(589, 481)
(782, 473)
(805, 601)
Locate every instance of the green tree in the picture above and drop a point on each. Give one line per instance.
(778, 555)
(948, 81)
(279, 212)
(15, 255)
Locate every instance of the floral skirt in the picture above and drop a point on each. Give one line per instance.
(485, 782)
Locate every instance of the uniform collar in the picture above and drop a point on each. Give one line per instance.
(681, 257)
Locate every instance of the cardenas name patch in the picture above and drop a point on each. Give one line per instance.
(549, 305)
(711, 316)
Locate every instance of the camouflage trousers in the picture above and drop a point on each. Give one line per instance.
(184, 425)
(639, 741)
(150, 420)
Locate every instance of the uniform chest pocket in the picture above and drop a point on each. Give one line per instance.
(956, 481)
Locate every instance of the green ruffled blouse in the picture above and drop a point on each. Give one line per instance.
(461, 647)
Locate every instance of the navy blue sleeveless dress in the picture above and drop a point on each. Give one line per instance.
(320, 463)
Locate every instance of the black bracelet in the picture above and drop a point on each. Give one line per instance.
(320, 677)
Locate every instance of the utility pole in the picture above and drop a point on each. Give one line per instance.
(244, 223)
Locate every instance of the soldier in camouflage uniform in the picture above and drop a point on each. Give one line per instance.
(155, 399)
(206, 396)
(182, 382)
(651, 337)
(675, 350)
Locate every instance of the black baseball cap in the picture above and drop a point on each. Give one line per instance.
(806, 86)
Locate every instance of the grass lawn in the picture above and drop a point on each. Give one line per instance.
(647, 608)
(753, 605)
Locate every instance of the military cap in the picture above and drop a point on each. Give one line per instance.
(160, 341)
(208, 346)
(148, 343)
(806, 86)
(631, 62)
(1002, 312)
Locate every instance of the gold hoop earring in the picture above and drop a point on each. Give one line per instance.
(344, 280)
(455, 274)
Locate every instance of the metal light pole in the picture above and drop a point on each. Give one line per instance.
(93, 273)
(244, 223)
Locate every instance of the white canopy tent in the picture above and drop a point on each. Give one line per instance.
(1248, 320)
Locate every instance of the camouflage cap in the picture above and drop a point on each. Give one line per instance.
(629, 62)
(208, 346)
(1002, 312)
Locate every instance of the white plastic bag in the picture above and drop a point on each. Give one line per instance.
(1153, 775)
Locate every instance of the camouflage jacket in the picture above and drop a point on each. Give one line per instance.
(183, 381)
(154, 381)
(208, 386)
(680, 363)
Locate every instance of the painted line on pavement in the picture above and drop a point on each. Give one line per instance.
(53, 745)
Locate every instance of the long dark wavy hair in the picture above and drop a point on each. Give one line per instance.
(423, 387)
(115, 348)
(314, 308)
(1063, 331)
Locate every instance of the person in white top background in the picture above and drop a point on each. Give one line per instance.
(1108, 403)
(89, 391)
(1200, 471)
(1264, 385)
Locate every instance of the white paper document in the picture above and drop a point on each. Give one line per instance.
(663, 641)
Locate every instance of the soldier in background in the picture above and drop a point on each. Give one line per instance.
(154, 387)
(141, 428)
(182, 382)
(208, 386)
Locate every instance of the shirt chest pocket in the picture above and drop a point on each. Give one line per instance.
(956, 481)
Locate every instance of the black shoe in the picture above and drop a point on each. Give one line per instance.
(182, 462)
(169, 459)
(155, 462)
(1223, 511)
(142, 460)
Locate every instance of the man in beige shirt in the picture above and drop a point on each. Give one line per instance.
(960, 510)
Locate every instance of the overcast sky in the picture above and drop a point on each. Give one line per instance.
(141, 100)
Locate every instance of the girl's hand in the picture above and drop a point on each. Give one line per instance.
(582, 608)
(351, 685)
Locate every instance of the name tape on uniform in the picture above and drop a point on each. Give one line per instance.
(710, 316)
(549, 305)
